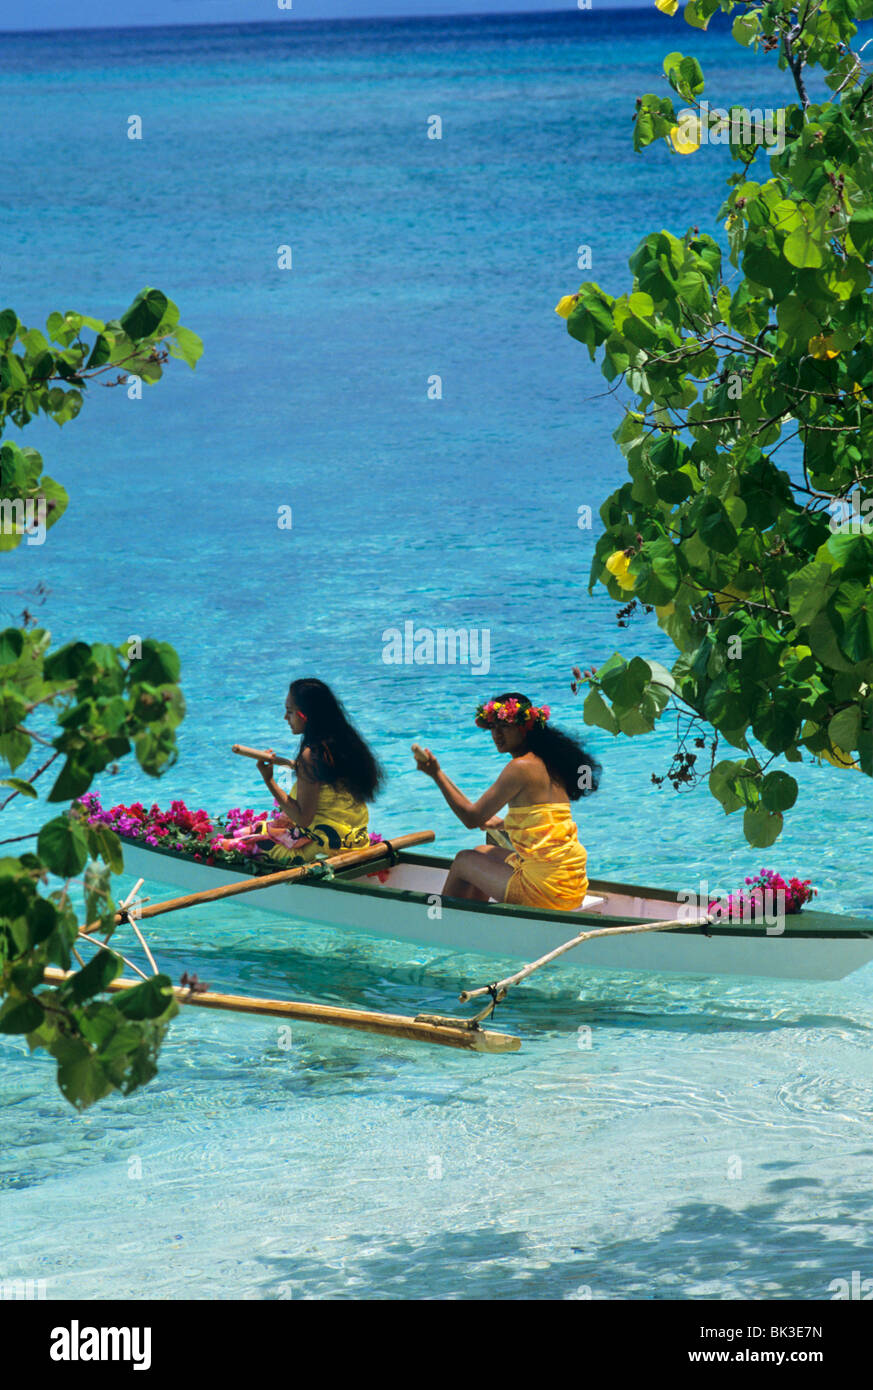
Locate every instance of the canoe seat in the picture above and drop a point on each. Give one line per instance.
(589, 903)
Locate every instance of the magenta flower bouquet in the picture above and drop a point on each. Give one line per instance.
(180, 830)
(763, 890)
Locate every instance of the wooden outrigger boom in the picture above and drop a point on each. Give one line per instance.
(500, 990)
(363, 1020)
(446, 1031)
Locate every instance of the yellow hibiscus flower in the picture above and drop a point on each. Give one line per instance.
(565, 306)
(667, 6)
(685, 138)
(618, 565)
(822, 347)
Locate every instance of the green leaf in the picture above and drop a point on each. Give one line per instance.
(764, 265)
(762, 827)
(625, 684)
(778, 791)
(659, 675)
(809, 591)
(684, 75)
(101, 353)
(158, 665)
(844, 730)
(596, 711)
(105, 843)
(144, 314)
(81, 1076)
(186, 345)
(67, 663)
(690, 77)
(861, 232)
(151, 1000)
(62, 846)
(23, 1017)
(42, 920)
(94, 977)
(803, 248)
(11, 645)
(658, 573)
(724, 783)
(852, 608)
(746, 28)
(12, 708)
(73, 780)
(776, 722)
(699, 12)
(713, 524)
(19, 785)
(762, 648)
(14, 748)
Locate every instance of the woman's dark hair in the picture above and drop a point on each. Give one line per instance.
(565, 758)
(340, 757)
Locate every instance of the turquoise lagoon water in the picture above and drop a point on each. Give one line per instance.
(715, 1138)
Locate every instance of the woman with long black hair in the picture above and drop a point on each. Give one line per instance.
(547, 769)
(326, 809)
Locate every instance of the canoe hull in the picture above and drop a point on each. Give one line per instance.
(407, 907)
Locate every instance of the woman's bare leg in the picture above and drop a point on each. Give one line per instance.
(478, 874)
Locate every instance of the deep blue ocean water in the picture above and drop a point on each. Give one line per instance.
(715, 1140)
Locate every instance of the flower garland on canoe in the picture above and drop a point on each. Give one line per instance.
(182, 831)
(195, 833)
(762, 891)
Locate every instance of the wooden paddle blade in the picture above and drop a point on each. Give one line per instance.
(262, 755)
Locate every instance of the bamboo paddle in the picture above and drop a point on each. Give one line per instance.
(365, 1021)
(263, 755)
(500, 990)
(253, 885)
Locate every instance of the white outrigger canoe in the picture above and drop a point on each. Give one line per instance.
(406, 905)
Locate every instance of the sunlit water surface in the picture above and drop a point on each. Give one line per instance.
(655, 1138)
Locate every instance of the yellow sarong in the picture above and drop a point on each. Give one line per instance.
(548, 860)
(339, 823)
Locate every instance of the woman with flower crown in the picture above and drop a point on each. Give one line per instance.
(546, 866)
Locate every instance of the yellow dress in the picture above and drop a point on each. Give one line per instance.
(548, 861)
(339, 823)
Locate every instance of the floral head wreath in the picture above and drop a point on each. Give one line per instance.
(512, 711)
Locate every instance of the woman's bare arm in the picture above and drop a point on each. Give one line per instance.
(473, 814)
(299, 809)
